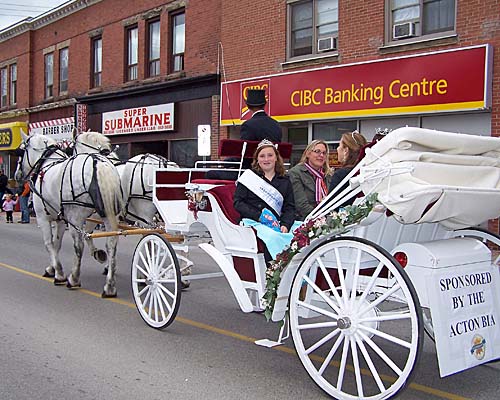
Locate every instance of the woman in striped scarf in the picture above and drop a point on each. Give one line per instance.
(310, 178)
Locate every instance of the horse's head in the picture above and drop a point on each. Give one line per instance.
(92, 142)
(30, 151)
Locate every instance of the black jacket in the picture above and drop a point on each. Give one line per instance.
(260, 127)
(3, 182)
(338, 176)
(249, 205)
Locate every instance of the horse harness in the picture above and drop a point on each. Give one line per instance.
(138, 170)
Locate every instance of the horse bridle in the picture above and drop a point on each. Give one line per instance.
(35, 167)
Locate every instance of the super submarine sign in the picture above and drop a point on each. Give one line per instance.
(451, 80)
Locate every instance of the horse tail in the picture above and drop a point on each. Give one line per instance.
(108, 181)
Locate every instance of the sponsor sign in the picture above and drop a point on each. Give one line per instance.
(451, 80)
(465, 310)
(59, 129)
(140, 119)
(10, 135)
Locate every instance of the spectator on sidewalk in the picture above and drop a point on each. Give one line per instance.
(3, 187)
(24, 199)
(8, 206)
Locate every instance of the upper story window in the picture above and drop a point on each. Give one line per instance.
(418, 18)
(3, 87)
(313, 27)
(49, 75)
(63, 70)
(96, 76)
(13, 84)
(178, 41)
(132, 53)
(154, 48)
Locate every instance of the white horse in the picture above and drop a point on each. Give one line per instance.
(137, 177)
(67, 191)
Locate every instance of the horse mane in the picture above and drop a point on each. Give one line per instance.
(95, 139)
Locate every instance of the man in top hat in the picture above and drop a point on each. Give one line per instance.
(260, 126)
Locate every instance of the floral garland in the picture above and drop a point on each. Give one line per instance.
(332, 223)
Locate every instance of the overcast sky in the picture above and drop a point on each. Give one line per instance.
(12, 11)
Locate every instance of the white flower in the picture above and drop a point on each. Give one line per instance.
(319, 222)
(294, 246)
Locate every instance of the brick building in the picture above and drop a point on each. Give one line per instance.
(329, 66)
(100, 63)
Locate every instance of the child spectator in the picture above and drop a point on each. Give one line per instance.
(8, 206)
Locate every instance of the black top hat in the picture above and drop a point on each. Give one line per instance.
(256, 97)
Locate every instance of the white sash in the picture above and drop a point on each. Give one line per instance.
(264, 190)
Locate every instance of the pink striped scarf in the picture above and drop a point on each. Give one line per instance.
(321, 189)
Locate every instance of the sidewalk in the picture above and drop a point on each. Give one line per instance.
(16, 217)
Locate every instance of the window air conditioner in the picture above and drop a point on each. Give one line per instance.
(327, 44)
(402, 31)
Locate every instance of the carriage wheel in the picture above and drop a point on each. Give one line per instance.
(490, 239)
(156, 281)
(355, 319)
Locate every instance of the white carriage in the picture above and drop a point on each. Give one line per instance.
(357, 300)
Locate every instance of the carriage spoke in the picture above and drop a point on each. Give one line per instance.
(160, 304)
(331, 353)
(341, 276)
(321, 342)
(355, 275)
(370, 363)
(322, 294)
(328, 279)
(165, 301)
(380, 299)
(147, 275)
(155, 303)
(355, 361)
(343, 360)
(150, 304)
(386, 336)
(146, 288)
(145, 263)
(368, 288)
(387, 317)
(316, 325)
(381, 353)
(318, 310)
(165, 290)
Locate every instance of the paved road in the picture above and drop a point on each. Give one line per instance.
(62, 344)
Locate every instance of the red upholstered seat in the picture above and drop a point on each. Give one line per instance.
(224, 195)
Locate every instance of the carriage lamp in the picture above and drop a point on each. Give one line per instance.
(196, 198)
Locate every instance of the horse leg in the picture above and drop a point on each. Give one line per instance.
(78, 243)
(98, 254)
(52, 240)
(110, 286)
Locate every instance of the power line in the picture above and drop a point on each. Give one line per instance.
(24, 5)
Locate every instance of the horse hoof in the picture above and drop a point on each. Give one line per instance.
(100, 256)
(105, 295)
(76, 286)
(185, 284)
(60, 282)
(48, 275)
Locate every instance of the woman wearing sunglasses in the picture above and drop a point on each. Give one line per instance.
(310, 178)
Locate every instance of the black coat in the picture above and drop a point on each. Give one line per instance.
(3, 182)
(249, 205)
(261, 127)
(338, 176)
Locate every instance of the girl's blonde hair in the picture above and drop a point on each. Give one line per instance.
(279, 167)
(310, 147)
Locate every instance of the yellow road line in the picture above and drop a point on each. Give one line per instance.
(415, 386)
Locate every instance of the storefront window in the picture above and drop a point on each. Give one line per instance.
(184, 152)
(297, 135)
(331, 132)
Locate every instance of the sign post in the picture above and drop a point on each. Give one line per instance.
(204, 140)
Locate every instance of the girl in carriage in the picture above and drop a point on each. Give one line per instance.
(264, 194)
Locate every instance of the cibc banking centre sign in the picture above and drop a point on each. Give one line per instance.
(140, 119)
(443, 81)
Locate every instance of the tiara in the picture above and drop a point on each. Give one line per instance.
(265, 142)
